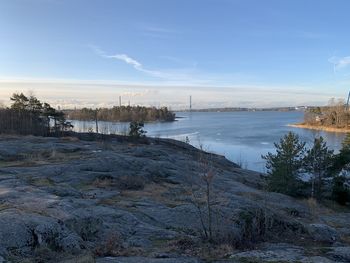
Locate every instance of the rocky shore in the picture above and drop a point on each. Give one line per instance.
(115, 200)
(320, 128)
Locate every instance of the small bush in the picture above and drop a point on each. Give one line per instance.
(103, 182)
(112, 246)
(184, 243)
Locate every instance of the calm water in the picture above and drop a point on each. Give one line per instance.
(241, 136)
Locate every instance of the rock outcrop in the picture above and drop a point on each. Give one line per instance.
(65, 200)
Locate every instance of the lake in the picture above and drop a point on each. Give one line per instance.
(241, 136)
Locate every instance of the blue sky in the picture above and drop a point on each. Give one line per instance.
(223, 52)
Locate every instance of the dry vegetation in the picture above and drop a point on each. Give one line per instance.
(333, 117)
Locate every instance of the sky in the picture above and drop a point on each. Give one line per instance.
(225, 53)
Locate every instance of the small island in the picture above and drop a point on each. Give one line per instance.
(122, 114)
(335, 117)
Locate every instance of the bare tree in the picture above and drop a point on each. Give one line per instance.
(202, 195)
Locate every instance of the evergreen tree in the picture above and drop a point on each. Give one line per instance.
(36, 116)
(34, 105)
(340, 191)
(20, 101)
(284, 166)
(343, 158)
(136, 129)
(318, 162)
(346, 142)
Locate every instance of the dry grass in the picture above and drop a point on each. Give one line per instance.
(45, 181)
(105, 182)
(320, 128)
(113, 247)
(325, 207)
(4, 206)
(128, 182)
(158, 192)
(110, 201)
(206, 251)
(124, 183)
(313, 206)
(39, 158)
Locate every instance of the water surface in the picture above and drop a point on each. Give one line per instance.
(241, 136)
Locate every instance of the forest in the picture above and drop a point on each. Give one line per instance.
(29, 116)
(122, 114)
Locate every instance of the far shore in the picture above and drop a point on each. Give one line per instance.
(320, 128)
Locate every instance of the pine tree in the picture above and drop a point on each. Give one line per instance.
(20, 101)
(340, 191)
(318, 162)
(136, 129)
(285, 165)
(343, 158)
(346, 142)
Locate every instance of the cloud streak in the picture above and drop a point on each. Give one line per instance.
(183, 74)
(130, 61)
(137, 65)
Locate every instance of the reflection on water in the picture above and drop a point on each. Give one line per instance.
(241, 136)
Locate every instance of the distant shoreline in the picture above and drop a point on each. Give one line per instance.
(320, 128)
(282, 109)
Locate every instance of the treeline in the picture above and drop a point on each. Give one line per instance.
(314, 172)
(122, 114)
(335, 114)
(29, 116)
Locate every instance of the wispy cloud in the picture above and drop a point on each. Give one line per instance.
(128, 60)
(138, 66)
(182, 74)
(339, 62)
(156, 29)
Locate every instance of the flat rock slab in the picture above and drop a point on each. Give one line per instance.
(74, 196)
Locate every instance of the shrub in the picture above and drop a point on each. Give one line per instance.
(103, 181)
(112, 246)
